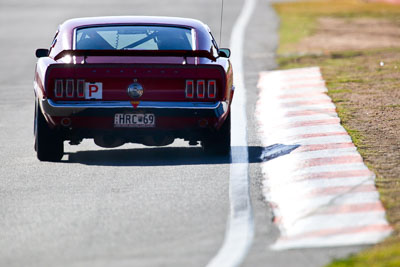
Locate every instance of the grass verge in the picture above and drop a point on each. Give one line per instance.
(298, 19)
(364, 85)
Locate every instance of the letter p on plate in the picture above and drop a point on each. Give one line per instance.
(93, 90)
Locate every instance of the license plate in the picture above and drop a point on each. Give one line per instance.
(134, 120)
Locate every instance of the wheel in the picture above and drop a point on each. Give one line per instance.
(219, 142)
(48, 145)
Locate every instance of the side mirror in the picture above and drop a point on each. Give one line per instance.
(41, 52)
(224, 52)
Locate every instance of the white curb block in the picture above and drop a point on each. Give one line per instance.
(321, 192)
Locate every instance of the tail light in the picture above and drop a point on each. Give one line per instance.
(58, 88)
(212, 89)
(204, 88)
(189, 90)
(80, 89)
(69, 88)
(200, 88)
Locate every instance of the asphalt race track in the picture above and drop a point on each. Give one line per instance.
(134, 205)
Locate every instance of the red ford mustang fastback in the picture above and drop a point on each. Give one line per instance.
(144, 80)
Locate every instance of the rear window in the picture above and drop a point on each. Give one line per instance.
(135, 38)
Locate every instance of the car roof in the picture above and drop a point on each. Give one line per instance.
(149, 20)
(67, 28)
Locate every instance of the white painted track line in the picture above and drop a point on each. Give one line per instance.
(240, 226)
(320, 191)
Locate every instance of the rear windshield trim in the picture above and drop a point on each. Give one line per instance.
(193, 31)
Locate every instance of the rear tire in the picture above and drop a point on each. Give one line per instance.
(219, 143)
(48, 145)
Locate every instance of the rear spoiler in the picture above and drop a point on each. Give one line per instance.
(136, 53)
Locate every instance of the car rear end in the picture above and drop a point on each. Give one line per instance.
(130, 79)
(136, 102)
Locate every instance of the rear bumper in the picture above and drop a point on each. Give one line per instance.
(109, 108)
(170, 116)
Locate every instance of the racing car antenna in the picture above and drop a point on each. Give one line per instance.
(220, 28)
